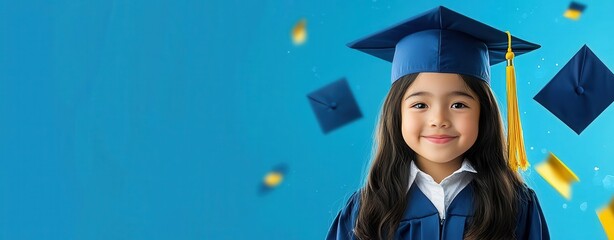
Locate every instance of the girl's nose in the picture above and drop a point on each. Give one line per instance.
(439, 119)
(439, 124)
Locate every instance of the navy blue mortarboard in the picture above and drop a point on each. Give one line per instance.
(441, 40)
(581, 91)
(334, 105)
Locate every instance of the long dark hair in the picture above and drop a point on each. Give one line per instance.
(383, 198)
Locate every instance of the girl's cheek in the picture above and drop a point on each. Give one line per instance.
(414, 127)
(409, 124)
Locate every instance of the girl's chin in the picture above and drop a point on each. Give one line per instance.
(438, 160)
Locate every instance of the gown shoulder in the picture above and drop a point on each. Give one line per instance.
(531, 221)
(342, 227)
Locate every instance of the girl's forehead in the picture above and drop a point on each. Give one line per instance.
(438, 83)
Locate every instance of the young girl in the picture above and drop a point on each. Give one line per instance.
(441, 169)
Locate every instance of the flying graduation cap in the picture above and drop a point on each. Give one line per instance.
(444, 41)
(334, 105)
(557, 174)
(574, 11)
(580, 91)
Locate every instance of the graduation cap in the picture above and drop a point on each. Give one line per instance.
(444, 41)
(441, 40)
(273, 178)
(574, 11)
(334, 105)
(606, 217)
(581, 91)
(557, 174)
(299, 32)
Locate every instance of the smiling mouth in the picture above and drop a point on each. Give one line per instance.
(440, 140)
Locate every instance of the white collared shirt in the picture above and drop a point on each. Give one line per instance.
(442, 194)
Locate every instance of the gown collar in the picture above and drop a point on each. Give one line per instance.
(415, 172)
(419, 206)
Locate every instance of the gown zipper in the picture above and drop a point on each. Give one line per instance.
(441, 223)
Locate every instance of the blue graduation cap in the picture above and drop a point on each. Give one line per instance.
(334, 105)
(441, 40)
(581, 91)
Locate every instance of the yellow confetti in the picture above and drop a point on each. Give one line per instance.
(273, 179)
(574, 11)
(572, 14)
(606, 217)
(557, 174)
(299, 32)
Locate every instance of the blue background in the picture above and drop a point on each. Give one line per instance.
(158, 120)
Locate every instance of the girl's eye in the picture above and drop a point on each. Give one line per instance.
(419, 105)
(459, 105)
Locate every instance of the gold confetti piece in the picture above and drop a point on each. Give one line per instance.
(606, 217)
(273, 178)
(299, 32)
(557, 174)
(572, 14)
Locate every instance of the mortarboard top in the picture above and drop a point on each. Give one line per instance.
(580, 91)
(334, 105)
(441, 40)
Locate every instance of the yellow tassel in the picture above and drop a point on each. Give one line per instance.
(516, 151)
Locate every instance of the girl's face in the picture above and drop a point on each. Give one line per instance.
(440, 117)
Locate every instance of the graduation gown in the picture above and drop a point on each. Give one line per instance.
(421, 218)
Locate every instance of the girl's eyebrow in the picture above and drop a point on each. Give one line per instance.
(453, 93)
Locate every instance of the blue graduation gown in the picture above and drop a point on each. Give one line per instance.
(421, 218)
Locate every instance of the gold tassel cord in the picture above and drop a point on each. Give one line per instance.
(516, 150)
